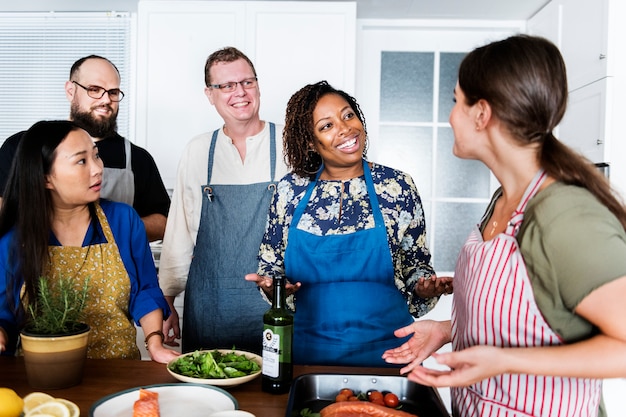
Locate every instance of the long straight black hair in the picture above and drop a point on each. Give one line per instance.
(27, 205)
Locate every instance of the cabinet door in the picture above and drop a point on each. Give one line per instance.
(584, 126)
(584, 40)
(547, 23)
(297, 43)
(174, 40)
(290, 43)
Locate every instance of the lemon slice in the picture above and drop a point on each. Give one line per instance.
(73, 407)
(53, 408)
(34, 399)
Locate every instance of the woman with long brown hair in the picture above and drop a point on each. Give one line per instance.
(537, 316)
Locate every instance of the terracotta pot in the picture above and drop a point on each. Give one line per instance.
(55, 361)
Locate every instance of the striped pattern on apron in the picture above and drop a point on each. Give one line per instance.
(494, 305)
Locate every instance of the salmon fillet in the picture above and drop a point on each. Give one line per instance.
(147, 405)
(361, 409)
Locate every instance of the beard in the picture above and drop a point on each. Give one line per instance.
(96, 127)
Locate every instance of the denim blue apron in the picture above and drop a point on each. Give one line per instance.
(222, 310)
(348, 305)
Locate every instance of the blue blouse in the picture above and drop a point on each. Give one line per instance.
(132, 242)
(341, 207)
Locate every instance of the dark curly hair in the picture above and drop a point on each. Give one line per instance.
(298, 134)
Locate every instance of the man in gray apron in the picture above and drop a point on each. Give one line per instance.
(130, 173)
(218, 214)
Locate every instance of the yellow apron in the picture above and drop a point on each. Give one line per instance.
(113, 334)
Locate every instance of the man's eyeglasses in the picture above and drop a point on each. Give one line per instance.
(94, 91)
(231, 86)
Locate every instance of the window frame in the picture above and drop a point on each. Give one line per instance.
(375, 36)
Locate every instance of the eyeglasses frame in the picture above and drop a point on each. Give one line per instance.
(105, 91)
(221, 87)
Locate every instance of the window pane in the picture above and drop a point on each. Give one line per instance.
(406, 86)
(448, 74)
(408, 149)
(453, 224)
(456, 177)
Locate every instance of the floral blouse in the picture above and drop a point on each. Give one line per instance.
(341, 207)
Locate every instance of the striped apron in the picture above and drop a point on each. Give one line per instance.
(494, 305)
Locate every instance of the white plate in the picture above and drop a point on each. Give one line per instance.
(175, 400)
(225, 382)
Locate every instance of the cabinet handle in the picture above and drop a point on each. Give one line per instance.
(602, 56)
(599, 142)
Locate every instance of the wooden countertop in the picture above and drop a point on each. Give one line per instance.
(103, 377)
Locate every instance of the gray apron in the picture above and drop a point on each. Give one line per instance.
(118, 184)
(222, 309)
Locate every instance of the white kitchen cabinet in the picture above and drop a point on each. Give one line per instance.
(585, 28)
(290, 43)
(547, 23)
(588, 119)
(588, 34)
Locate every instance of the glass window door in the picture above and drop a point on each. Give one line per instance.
(406, 91)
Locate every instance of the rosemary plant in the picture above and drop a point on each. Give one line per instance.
(58, 309)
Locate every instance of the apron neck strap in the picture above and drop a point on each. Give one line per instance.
(532, 189)
(371, 192)
(272, 153)
(128, 154)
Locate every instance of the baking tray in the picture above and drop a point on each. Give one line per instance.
(316, 391)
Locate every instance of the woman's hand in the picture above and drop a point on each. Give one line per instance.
(152, 325)
(161, 354)
(428, 337)
(467, 367)
(433, 286)
(267, 284)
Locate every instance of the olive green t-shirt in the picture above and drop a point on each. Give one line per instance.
(572, 245)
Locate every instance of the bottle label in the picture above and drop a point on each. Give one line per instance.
(276, 348)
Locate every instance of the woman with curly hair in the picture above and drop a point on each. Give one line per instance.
(349, 235)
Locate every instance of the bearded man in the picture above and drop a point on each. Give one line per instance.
(130, 173)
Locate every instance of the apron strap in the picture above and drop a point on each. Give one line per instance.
(518, 215)
(272, 153)
(371, 192)
(211, 156)
(128, 154)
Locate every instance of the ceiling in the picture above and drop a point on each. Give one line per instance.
(366, 9)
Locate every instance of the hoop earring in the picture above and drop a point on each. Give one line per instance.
(310, 162)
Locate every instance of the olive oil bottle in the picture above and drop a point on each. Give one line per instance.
(277, 343)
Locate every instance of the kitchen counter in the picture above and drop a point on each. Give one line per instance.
(107, 376)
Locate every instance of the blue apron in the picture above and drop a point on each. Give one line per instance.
(348, 305)
(222, 310)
